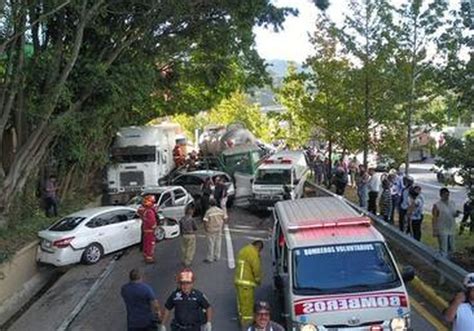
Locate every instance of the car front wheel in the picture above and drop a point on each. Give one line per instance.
(92, 254)
(160, 233)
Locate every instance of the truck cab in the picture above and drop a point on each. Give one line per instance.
(334, 270)
(140, 156)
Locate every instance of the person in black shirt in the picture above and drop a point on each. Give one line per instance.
(206, 189)
(189, 306)
(143, 309)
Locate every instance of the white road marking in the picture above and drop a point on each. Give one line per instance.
(230, 248)
(70, 318)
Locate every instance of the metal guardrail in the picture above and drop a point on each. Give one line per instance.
(442, 265)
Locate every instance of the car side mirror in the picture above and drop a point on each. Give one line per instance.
(408, 273)
(296, 181)
(251, 180)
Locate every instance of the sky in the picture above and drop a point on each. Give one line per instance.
(292, 43)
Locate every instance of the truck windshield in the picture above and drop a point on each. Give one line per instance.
(343, 269)
(273, 176)
(133, 154)
(238, 162)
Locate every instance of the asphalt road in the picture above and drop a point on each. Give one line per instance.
(105, 310)
(430, 186)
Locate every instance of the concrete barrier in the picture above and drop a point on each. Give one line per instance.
(20, 279)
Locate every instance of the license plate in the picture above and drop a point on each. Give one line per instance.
(134, 183)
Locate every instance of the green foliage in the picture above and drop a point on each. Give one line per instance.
(292, 96)
(94, 66)
(459, 153)
(329, 87)
(236, 108)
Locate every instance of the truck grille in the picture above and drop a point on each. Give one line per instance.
(131, 179)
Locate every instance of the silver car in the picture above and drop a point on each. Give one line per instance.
(171, 201)
(194, 180)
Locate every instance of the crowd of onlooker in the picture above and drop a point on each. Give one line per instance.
(392, 193)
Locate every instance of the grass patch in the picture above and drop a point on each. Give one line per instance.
(26, 220)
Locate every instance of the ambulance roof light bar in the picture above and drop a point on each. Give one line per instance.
(280, 160)
(334, 223)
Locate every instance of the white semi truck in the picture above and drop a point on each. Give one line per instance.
(140, 157)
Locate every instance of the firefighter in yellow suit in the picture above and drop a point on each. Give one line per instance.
(248, 275)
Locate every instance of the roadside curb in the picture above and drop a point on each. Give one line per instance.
(428, 293)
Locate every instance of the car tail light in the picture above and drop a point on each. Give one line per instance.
(62, 243)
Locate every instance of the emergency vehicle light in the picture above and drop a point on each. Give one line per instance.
(278, 161)
(317, 224)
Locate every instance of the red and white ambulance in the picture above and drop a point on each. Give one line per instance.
(334, 270)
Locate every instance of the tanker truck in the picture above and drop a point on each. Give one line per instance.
(234, 150)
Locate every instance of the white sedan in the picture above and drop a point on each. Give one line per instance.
(85, 236)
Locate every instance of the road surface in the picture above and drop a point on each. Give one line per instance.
(104, 309)
(430, 186)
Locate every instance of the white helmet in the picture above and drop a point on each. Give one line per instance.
(469, 280)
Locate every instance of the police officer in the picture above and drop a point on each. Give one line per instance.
(189, 305)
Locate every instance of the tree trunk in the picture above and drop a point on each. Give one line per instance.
(412, 95)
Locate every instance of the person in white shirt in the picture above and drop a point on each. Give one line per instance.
(461, 310)
(374, 187)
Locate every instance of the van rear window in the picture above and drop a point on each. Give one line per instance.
(343, 269)
(273, 176)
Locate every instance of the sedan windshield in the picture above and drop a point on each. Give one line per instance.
(343, 268)
(138, 199)
(67, 223)
(273, 176)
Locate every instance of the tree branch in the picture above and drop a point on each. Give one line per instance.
(39, 19)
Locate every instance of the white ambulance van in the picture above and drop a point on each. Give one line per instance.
(334, 270)
(283, 169)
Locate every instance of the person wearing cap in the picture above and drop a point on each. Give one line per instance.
(461, 310)
(143, 309)
(444, 222)
(261, 318)
(248, 275)
(189, 305)
(148, 215)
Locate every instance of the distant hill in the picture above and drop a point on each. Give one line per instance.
(278, 67)
(264, 96)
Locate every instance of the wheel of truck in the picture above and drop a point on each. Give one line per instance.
(92, 254)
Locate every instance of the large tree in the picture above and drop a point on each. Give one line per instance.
(417, 30)
(291, 95)
(367, 37)
(328, 104)
(65, 62)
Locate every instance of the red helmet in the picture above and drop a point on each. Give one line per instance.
(185, 276)
(149, 200)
